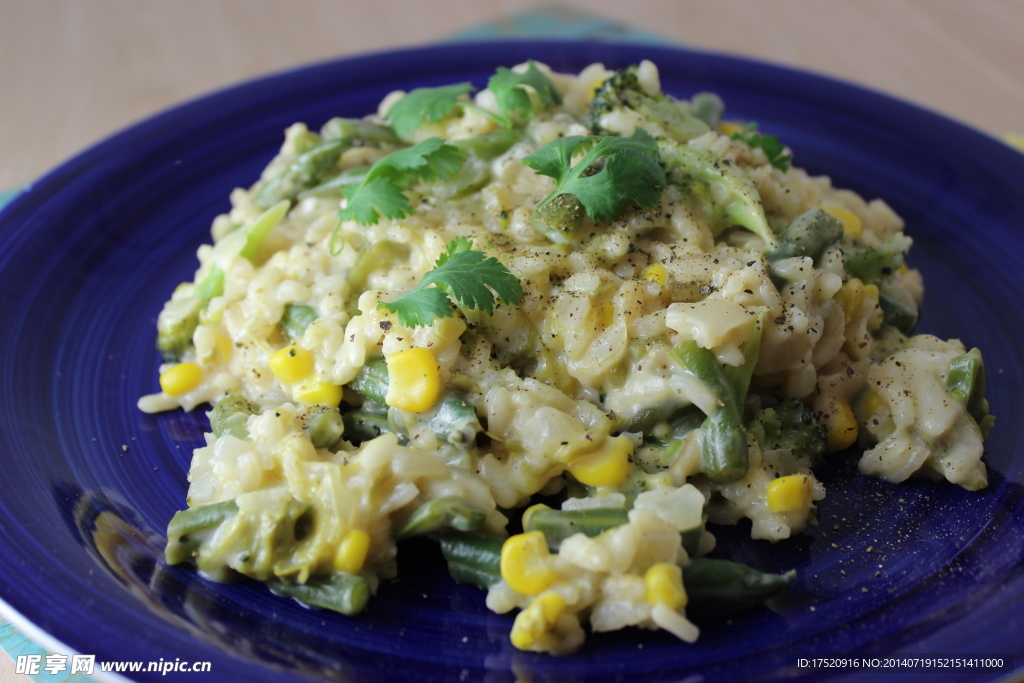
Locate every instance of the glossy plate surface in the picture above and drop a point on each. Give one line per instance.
(87, 483)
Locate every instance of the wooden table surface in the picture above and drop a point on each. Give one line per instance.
(74, 72)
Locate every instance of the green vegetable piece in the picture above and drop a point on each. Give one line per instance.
(558, 525)
(737, 201)
(450, 512)
(740, 376)
(308, 169)
(896, 313)
(425, 105)
(509, 89)
(773, 149)
(324, 426)
(809, 234)
(872, 264)
(338, 592)
(454, 419)
(366, 425)
(623, 92)
(721, 587)
(180, 317)
(724, 448)
(372, 381)
(559, 219)
(296, 319)
(708, 107)
(465, 274)
(489, 146)
(473, 558)
(334, 186)
(187, 528)
(229, 416)
(631, 172)
(789, 425)
(965, 383)
(371, 134)
(382, 191)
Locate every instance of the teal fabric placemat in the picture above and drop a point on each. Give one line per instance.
(546, 22)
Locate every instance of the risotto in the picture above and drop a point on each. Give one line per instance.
(569, 302)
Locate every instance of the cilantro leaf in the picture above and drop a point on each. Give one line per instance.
(463, 273)
(509, 90)
(631, 172)
(773, 149)
(425, 104)
(381, 192)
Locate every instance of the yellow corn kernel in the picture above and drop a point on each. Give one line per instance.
(790, 494)
(312, 392)
(873, 403)
(842, 429)
(851, 296)
(537, 619)
(181, 378)
(524, 565)
(729, 128)
(414, 380)
(351, 554)
(871, 292)
(607, 466)
(656, 273)
(663, 584)
(291, 364)
(852, 225)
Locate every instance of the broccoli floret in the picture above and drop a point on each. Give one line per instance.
(659, 114)
(788, 425)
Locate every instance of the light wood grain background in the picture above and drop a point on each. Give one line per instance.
(72, 72)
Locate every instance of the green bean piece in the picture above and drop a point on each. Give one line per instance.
(340, 128)
(307, 170)
(558, 525)
(872, 264)
(489, 146)
(471, 177)
(229, 416)
(809, 234)
(338, 592)
(736, 202)
(966, 383)
(454, 419)
(723, 456)
(324, 426)
(186, 529)
(896, 313)
(708, 107)
(296, 319)
(721, 587)
(450, 512)
(333, 186)
(473, 558)
(559, 219)
(740, 376)
(366, 425)
(372, 380)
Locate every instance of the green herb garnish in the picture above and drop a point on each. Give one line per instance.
(463, 273)
(381, 193)
(773, 149)
(433, 104)
(631, 172)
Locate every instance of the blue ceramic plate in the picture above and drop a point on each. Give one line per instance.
(87, 482)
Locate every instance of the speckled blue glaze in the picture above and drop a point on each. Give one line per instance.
(90, 252)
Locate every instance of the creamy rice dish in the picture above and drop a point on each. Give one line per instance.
(560, 325)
